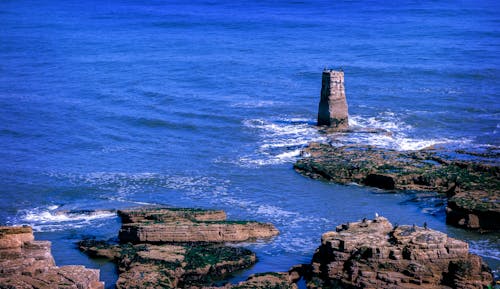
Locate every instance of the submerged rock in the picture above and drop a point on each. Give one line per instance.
(375, 254)
(177, 248)
(26, 263)
(473, 188)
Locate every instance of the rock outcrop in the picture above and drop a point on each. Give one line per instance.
(170, 265)
(177, 248)
(365, 254)
(473, 188)
(332, 110)
(279, 280)
(375, 254)
(188, 225)
(26, 263)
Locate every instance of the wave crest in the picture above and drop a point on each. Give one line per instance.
(43, 219)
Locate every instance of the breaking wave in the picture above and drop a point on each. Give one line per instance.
(282, 139)
(51, 219)
(387, 130)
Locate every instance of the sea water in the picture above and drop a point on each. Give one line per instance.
(114, 104)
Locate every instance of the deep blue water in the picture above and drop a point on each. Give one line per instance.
(111, 104)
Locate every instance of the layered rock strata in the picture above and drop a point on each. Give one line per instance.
(188, 225)
(177, 248)
(332, 110)
(26, 263)
(375, 254)
(365, 254)
(473, 188)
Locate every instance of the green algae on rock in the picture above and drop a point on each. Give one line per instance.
(170, 265)
(364, 254)
(473, 188)
(178, 247)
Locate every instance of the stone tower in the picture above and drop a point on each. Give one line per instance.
(333, 104)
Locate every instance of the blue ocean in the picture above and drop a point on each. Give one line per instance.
(115, 104)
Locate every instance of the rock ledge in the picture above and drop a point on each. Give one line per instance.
(472, 188)
(178, 247)
(26, 263)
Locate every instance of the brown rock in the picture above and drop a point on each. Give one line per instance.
(177, 248)
(179, 265)
(281, 280)
(187, 225)
(164, 215)
(26, 263)
(374, 254)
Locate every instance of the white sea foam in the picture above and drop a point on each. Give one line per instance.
(484, 248)
(123, 184)
(124, 200)
(49, 219)
(387, 130)
(47, 216)
(385, 121)
(256, 104)
(273, 211)
(280, 140)
(289, 156)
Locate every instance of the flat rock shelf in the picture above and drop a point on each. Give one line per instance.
(472, 188)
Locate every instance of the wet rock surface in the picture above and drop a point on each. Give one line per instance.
(183, 250)
(26, 263)
(472, 188)
(375, 254)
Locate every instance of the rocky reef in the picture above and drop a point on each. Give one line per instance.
(187, 225)
(376, 254)
(178, 248)
(363, 254)
(472, 188)
(170, 265)
(26, 263)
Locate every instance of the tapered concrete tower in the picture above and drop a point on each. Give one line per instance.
(332, 110)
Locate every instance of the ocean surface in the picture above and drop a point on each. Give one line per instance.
(114, 104)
